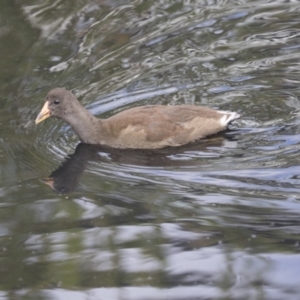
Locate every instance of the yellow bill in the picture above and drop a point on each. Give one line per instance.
(44, 113)
(49, 181)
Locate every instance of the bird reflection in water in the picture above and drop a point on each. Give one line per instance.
(67, 176)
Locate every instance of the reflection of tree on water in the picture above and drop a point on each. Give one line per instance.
(66, 177)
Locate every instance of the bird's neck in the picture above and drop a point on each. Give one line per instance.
(86, 126)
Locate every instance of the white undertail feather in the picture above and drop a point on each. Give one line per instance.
(228, 117)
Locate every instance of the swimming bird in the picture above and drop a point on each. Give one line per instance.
(143, 127)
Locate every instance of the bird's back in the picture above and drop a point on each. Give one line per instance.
(157, 126)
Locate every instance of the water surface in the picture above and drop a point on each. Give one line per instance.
(218, 219)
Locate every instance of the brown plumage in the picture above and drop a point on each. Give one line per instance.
(144, 127)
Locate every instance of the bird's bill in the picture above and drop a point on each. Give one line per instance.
(49, 181)
(44, 113)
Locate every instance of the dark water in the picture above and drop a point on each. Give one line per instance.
(219, 219)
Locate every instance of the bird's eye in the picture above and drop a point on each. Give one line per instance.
(56, 101)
